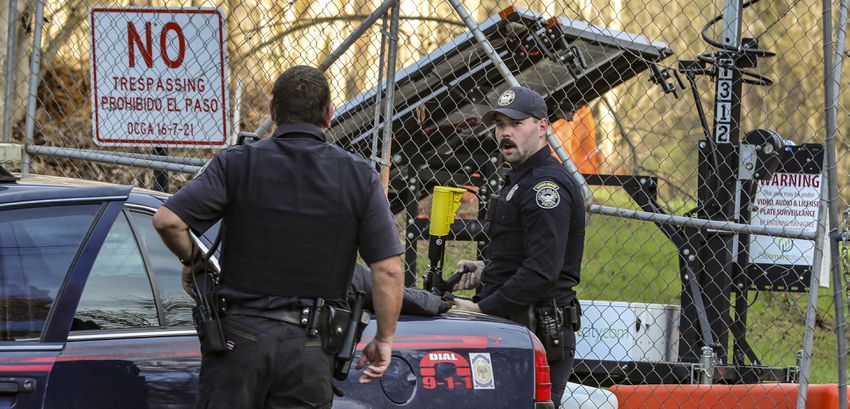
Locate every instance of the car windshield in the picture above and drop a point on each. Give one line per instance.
(37, 247)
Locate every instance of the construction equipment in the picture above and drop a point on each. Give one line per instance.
(439, 139)
(438, 136)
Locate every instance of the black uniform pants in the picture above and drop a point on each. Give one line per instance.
(269, 364)
(559, 372)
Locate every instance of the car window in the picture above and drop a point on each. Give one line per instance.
(118, 291)
(37, 246)
(176, 304)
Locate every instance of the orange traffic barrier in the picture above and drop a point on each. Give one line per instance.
(757, 396)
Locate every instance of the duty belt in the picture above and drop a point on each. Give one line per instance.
(294, 316)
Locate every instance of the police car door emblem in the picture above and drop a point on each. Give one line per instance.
(547, 195)
(506, 98)
(511, 193)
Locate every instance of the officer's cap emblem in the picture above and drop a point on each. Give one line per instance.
(506, 98)
(547, 195)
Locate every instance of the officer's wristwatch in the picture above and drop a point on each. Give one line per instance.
(186, 262)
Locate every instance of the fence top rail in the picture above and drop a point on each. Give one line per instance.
(112, 159)
(703, 223)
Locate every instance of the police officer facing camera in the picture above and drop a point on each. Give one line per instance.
(295, 212)
(536, 233)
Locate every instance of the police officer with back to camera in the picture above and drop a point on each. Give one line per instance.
(536, 233)
(295, 210)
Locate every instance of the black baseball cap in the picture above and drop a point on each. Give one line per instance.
(518, 103)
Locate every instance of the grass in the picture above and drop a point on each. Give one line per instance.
(630, 260)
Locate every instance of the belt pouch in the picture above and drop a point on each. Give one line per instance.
(573, 316)
(333, 325)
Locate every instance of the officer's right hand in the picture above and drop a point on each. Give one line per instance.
(377, 355)
(188, 274)
(187, 278)
(472, 274)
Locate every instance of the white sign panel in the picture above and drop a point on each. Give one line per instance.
(158, 77)
(621, 331)
(606, 331)
(786, 200)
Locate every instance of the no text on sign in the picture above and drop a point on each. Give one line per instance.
(158, 77)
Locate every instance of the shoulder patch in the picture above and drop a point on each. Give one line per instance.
(547, 194)
(546, 183)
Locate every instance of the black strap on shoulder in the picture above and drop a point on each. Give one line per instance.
(215, 243)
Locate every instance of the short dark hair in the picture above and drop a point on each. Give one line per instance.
(301, 94)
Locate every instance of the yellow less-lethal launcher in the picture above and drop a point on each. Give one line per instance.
(446, 201)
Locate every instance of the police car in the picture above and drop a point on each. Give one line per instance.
(92, 315)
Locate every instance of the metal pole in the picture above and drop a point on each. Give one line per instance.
(11, 48)
(110, 159)
(34, 71)
(831, 166)
(388, 112)
(143, 156)
(811, 307)
(160, 178)
(732, 23)
(237, 113)
(378, 95)
(717, 225)
(509, 77)
(724, 251)
(829, 98)
(380, 11)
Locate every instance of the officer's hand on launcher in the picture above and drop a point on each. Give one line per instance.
(377, 355)
(465, 305)
(471, 278)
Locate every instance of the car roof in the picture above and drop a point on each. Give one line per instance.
(39, 188)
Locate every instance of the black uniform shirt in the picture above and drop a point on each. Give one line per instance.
(202, 202)
(536, 238)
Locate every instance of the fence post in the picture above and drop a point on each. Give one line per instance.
(35, 67)
(830, 167)
(374, 157)
(390, 100)
(11, 48)
(811, 305)
(160, 177)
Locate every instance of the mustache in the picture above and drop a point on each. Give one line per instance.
(505, 143)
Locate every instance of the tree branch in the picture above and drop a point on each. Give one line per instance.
(326, 20)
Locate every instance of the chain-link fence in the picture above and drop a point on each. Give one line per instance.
(664, 108)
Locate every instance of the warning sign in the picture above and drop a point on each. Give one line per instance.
(158, 77)
(786, 200)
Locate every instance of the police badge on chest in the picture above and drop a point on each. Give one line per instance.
(511, 193)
